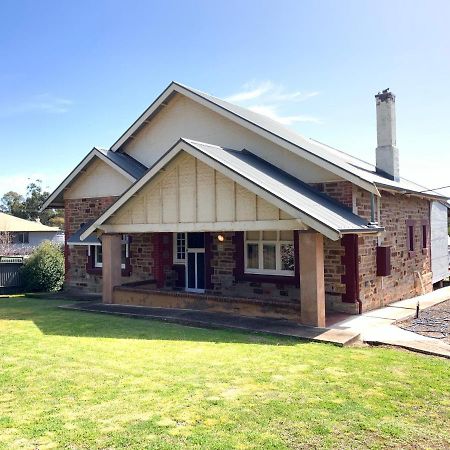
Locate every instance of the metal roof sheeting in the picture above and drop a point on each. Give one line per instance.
(92, 239)
(16, 224)
(294, 192)
(359, 168)
(125, 162)
(129, 166)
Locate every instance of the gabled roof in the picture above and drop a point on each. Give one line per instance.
(314, 209)
(264, 126)
(126, 165)
(16, 224)
(353, 169)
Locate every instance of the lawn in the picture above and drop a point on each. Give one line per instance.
(84, 381)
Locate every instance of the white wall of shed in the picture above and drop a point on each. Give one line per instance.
(183, 117)
(439, 241)
(98, 180)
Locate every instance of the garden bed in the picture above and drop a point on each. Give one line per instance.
(432, 322)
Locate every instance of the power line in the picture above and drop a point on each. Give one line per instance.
(436, 189)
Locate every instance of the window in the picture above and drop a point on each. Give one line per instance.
(21, 238)
(98, 259)
(424, 236)
(410, 236)
(98, 253)
(179, 248)
(269, 252)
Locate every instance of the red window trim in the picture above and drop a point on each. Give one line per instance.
(239, 271)
(426, 235)
(410, 238)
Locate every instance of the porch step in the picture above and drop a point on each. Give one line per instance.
(216, 320)
(251, 307)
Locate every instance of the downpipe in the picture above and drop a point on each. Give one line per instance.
(359, 306)
(419, 276)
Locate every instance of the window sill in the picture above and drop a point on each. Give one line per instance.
(265, 278)
(126, 272)
(411, 254)
(269, 273)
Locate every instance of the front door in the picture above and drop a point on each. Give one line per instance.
(195, 267)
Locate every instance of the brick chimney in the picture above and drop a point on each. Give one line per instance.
(387, 163)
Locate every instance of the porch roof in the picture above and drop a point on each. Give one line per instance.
(310, 207)
(291, 190)
(92, 239)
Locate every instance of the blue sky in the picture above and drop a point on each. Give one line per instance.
(76, 74)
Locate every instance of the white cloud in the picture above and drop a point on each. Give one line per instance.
(250, 92)
(271, 112)
(272, 100)
(45, 103)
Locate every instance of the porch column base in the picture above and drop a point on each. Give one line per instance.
(111, 262)
(312, 285)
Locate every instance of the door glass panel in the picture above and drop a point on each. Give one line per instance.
(252, 256)
(200, 271)
(287, 256)
(196, 240)
(191, 271)
(269, 257)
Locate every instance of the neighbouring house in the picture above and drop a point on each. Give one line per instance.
(203, 204)
(20, 236)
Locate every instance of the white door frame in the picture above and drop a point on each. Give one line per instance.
(195, 251)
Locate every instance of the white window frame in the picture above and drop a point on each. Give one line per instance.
(177, 260)
(20, 237)
(125, 241)
(260, 242)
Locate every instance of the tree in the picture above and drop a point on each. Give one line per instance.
(5, 243)
(33, 202)
(12, 203)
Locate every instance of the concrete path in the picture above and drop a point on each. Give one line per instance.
(207, 319)
(378, 327)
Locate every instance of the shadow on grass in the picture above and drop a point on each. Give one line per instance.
(52, 320)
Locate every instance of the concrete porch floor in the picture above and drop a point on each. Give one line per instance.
(208, 319)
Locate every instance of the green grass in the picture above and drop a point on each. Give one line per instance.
(84, 381)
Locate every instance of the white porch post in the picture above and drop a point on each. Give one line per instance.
(312, 285)
(111, 271)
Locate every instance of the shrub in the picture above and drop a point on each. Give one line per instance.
(44, 269)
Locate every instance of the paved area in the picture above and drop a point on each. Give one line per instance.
(378, 327)
(207, 319)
